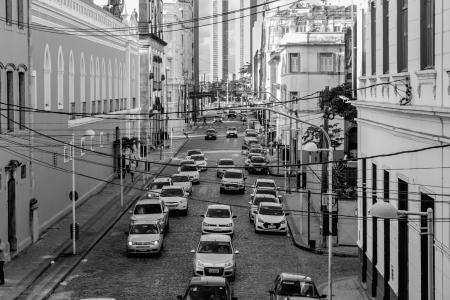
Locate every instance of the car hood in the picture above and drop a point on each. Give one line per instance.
(200, 162)
(189, 173)
(232, 180)
(149, 217)
(272, 219)
(173, 199)
(292, 298)
(219, 221)
(251, 138)
(213, 258)
(143, 237)
(183, 184)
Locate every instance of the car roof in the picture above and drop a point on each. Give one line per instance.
(218, 206)
(293, 276)
(265, 196)
(208, 280)
(234, 171)
(198, 155)
(144, 222)
(178, 175)
(210, 129)
(194, 150)
(215, 237)
(272, 204)
(172, 187)
(265, 180)
(149, 201)
(161, 179)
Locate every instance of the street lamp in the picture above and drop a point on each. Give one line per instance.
(74, 196)
(385, 210)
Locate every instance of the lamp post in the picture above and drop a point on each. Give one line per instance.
(385, 210)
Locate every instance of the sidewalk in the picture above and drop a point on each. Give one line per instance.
(346, 288)
(298, 226)
(44, 264)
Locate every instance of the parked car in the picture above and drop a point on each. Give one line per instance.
(218, 219)
(214, 256)
(294, 286)
(270, 217)
(191, 171)
(151, 210)
(175, 198)
(264, 183)
(267, 191)
(256, 149)
(200, 161)
(208, 287)
(232, 132)
(223, 164)
(210, 134)
(258, 164)
(232, 114)
(249, 157)
(192, 152)
(186, 162)
(183, 181)
(255, 201)
(251, 138)
(218, 118)
(145, 237)
(233, 180)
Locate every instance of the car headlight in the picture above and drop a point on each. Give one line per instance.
(130, 243)
(229, 225)
(260, 220)
(228, 264)
(154, 243)
(283, 221)
(199, 264)
(206, 224)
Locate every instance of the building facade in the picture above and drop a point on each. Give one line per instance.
(404, 105)
(219, 52)
(16, 181)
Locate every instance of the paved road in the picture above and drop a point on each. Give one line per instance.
(107, 272)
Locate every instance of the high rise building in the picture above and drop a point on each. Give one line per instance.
(225, 53)
(219, 55)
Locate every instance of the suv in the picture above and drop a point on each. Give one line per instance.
(258, 164)
(210, 134)
(175, 198)
(208, 287)
(232, 132)
(251, 138)
(223, 164)
(233, 180)
(289, 285)
(151, 210)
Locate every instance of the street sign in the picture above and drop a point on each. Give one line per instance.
(71, 196)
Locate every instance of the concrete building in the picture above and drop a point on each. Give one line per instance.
(219, 53)
(83, 86)
(404, 105)
(180, 61)
(16, 179)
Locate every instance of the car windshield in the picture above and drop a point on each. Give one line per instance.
(255, 150)
(257, 159)
(266, 191)
(226, 163)
(198, 157)
(144, 229)
(218, 213)
(232, 175)
(192, 152)
(270, 211)
(180, 178)
(145, 209)
(172, 193)
(265, 184)
(297, 289)
(186, 162)
(232, 128)
(158, 185)
(251, 134)
(214, 247)
(202, 292)
(211, 131)
(188, 168)
(258, 200)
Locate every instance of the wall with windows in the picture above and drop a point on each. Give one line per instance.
(403, 104)
(82, 82)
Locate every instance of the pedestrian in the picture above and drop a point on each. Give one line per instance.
(2, 261)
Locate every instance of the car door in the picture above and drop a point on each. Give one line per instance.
(165, 214)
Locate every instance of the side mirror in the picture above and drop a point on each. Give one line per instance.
(287, 214)
(250, 202)
(253, 185)
(272, 292)
(130, 211)
(202, 216)
(234, 217)
(278, 188)
(192, 251)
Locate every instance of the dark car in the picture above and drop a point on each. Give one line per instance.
(232, 114)
(210, 134)
(295, 286)
(208, 287)
(258, 164)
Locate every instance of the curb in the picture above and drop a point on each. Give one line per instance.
(65, 245)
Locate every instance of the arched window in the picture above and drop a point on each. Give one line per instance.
(120, 83)
(125, 86)
(97, 83)
(133, 80)
(103, 79)
(60, 78)
(116, 76)
(92, 85)
(71, 85)
(47, 79)
(110, 96)
(82, 83)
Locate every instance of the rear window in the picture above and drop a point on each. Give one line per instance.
(188, 168)
(158, 185)
(251, 134)
(232, 128)
(180, 178)
(145, 209)
(198, 157)
(258, 200)
(265, 184)
(201, 292)
(233, 175)
(192, 152)
(266, 191)
(226, 163)
(172, 193)
(257, 159)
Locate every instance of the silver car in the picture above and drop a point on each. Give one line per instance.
(223, 165)
(145, 237)
(215, 256)
(183, 181)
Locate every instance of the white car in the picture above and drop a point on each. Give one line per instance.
(192, 152)
(263, 190)
(233, 180)
(218, 219)
(200, 161)
(157, 184)
(250, 138)
(270, 217)
(224, 164)
(215, 256)
(232, 132)
(151, 210)
(183, 181)
(175, 198)
(264, 183)
(145, 237)
(186, 162)
(191, 171)
(256, 200)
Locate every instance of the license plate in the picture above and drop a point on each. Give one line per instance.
(214, 271)
(258, 169)
(271, 226)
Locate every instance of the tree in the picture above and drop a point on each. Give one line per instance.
(314, 134)
(338, 100)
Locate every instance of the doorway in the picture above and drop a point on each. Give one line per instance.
(12, 239)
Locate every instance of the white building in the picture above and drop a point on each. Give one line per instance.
(219, 52)
(404, 105)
